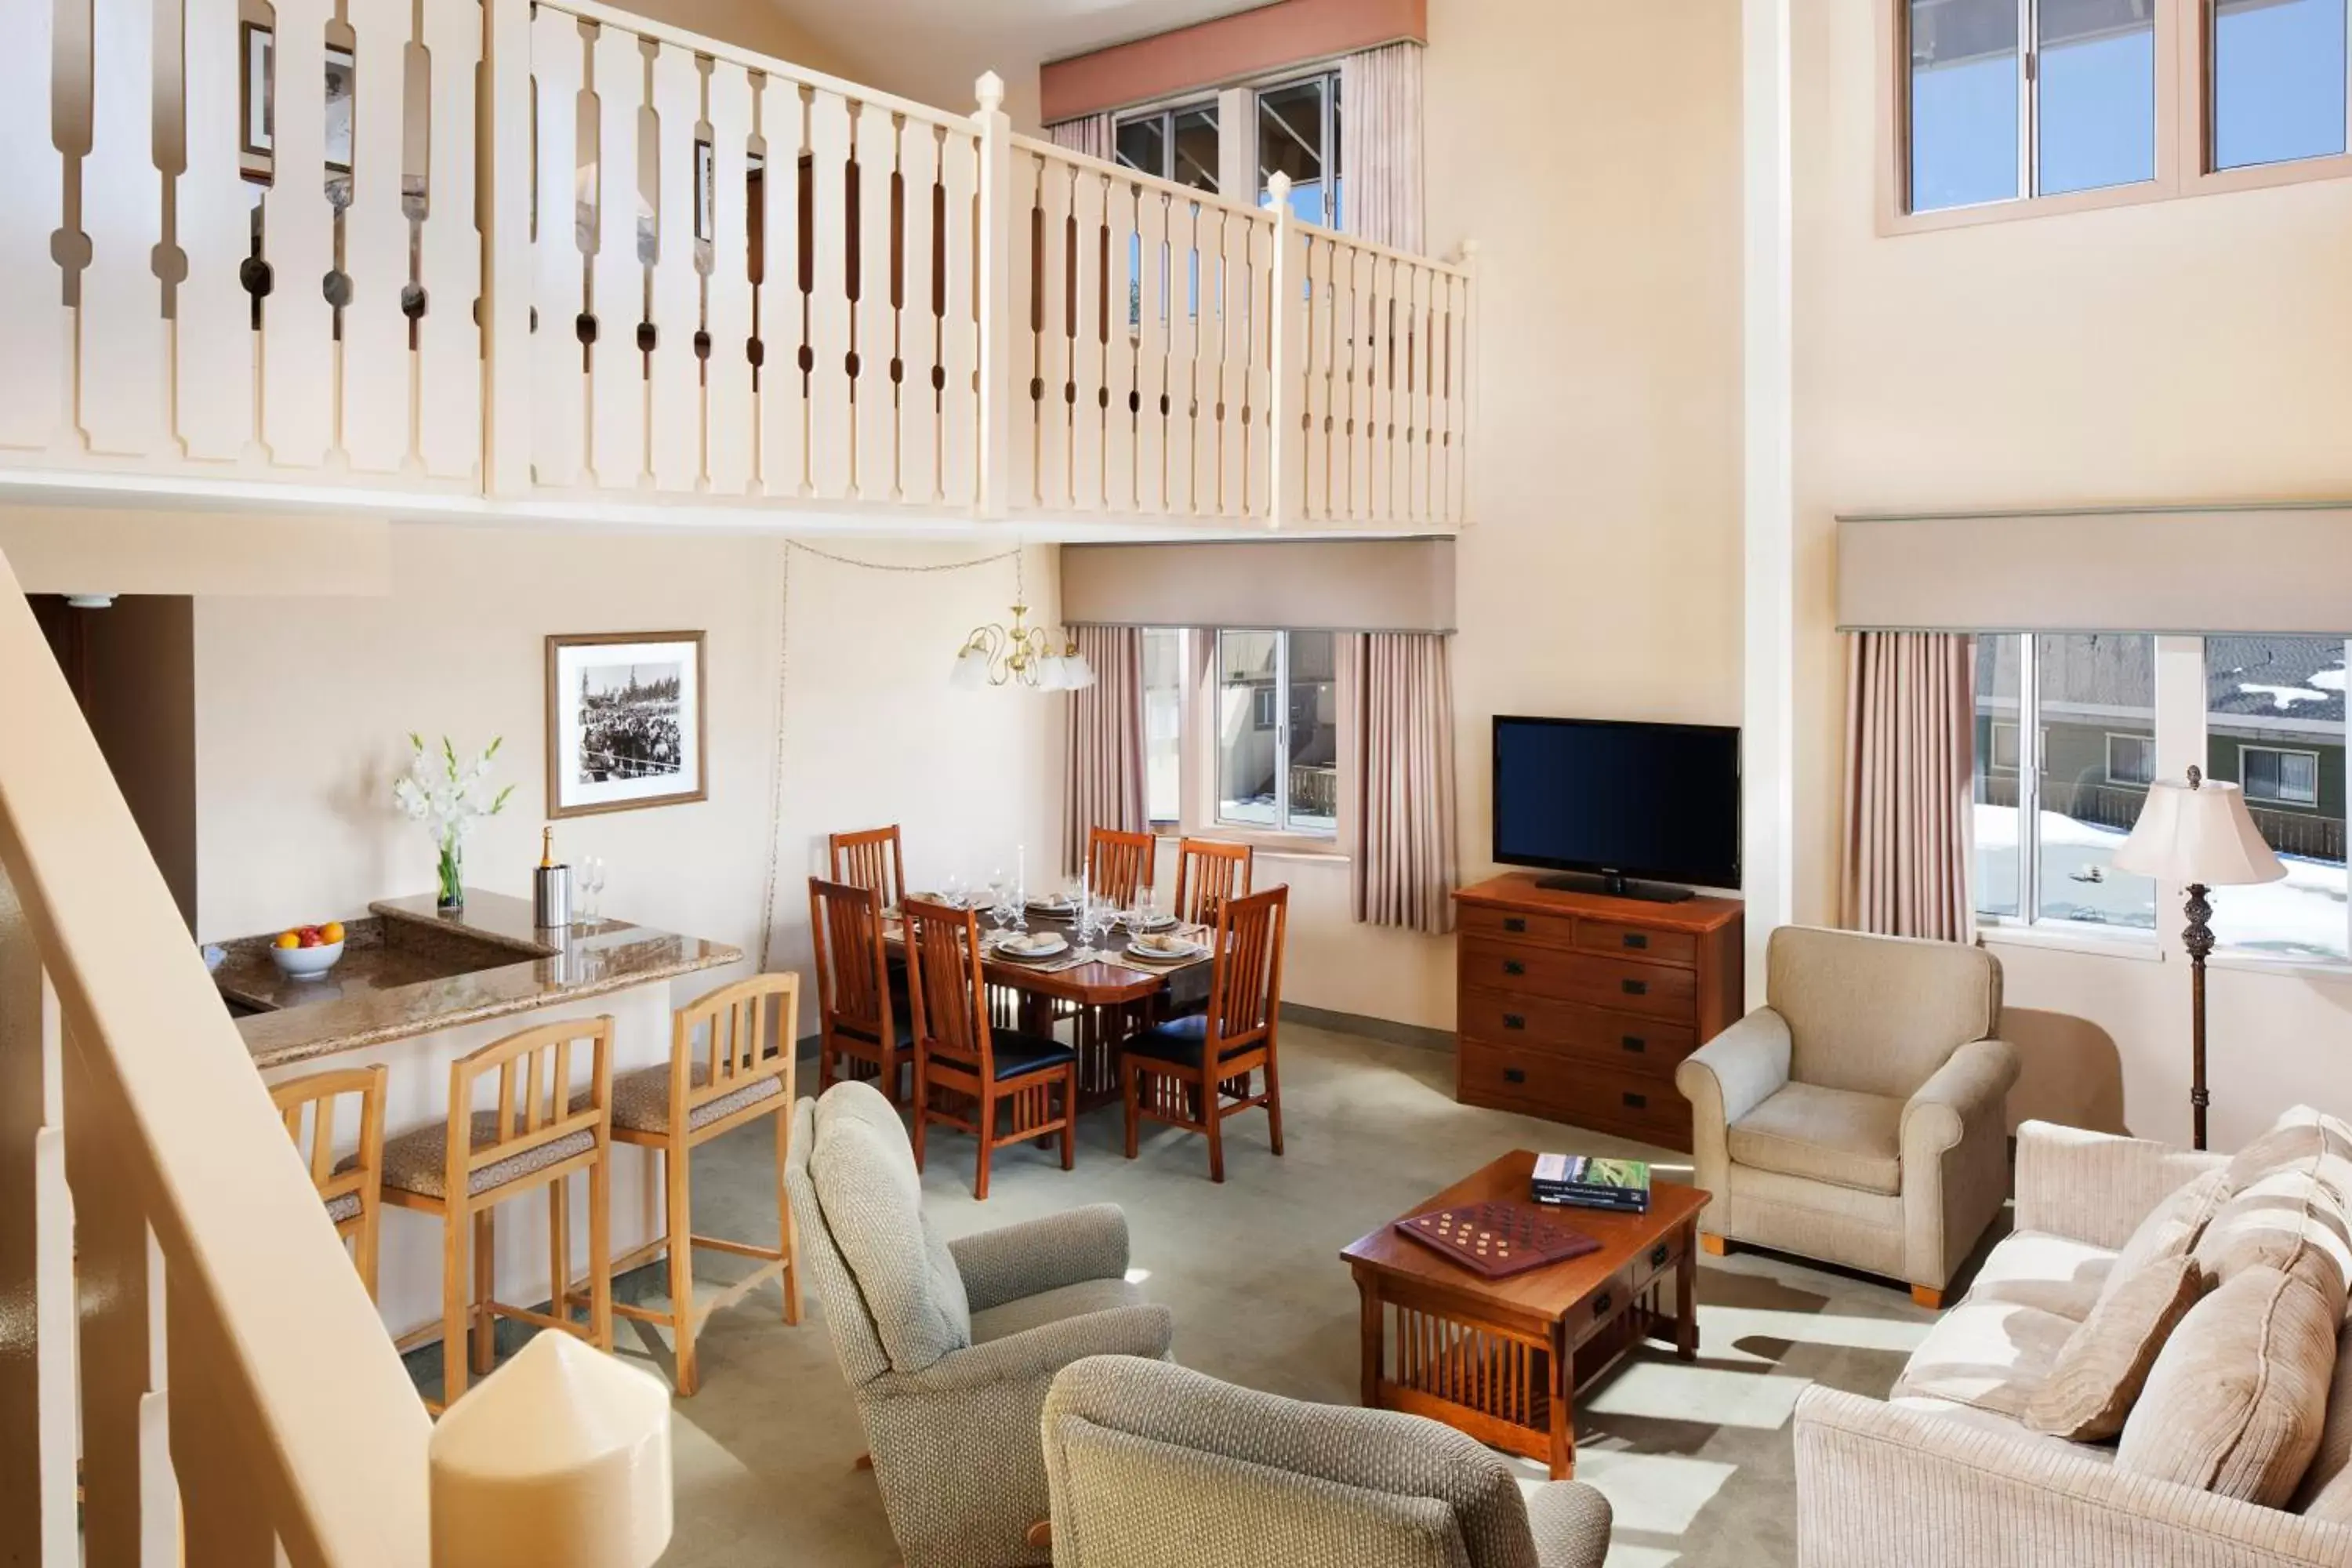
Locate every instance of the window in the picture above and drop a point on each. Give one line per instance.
(2274, 726)
(1163, 714)
(2279, 76)
(1178, 144)
(1277, 732)
(1298, 136)
(1998, 882)
(2281, 778)
(2004, 746)
(2131, 760)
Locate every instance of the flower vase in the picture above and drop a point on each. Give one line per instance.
(452, 894)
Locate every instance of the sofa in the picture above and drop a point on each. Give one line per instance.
(2233, 1448)
(949, 1347)
(1858, 1117)
(1152, 1465)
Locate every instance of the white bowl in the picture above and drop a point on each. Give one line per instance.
(307, 962)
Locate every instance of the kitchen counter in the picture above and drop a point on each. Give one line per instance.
(409, 969)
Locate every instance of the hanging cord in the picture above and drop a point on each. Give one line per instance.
(783, 671)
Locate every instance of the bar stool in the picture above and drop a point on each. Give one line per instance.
(720, 1075)
(537, 1133)
(352, 1186)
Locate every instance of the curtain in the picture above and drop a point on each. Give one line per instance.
(1403, 870)
(1106, 749)
(1089, 134)
(1380, 144)
(1910, 740)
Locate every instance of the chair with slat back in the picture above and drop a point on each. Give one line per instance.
(351, 1187)
(871, 859)
(861, 1025)
(999, 1084)
(1208, 873)
(538, 1130)
(731, 1063)
(1195, 1072)
(1119, 865)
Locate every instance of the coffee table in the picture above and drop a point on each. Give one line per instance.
(1502, 1359)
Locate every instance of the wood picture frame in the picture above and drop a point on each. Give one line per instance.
(626, 721)
(256, 132)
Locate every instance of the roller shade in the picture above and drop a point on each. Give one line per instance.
(2281, 570)
(1340, 584)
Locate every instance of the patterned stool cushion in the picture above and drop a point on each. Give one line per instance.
(640, 1099)
(413, 1163)
(343, 1207)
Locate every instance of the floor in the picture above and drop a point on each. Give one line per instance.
(1696, 1459)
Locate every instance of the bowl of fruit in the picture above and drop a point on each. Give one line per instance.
(305, 953)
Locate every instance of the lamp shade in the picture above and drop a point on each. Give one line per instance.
(2198, 832)
(970, 672)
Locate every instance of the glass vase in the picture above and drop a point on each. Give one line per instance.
(451, 892)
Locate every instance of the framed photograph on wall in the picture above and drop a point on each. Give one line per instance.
(256, 98)
(624, 721)
(340, 70)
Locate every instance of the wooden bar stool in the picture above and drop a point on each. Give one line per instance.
(870, 858)
(1119, 865)
(1194, 1072)
(857, 1018)
(959, 1052)
(352, 1186)
(720, 1075)
(538, 1131)
(1208, 873)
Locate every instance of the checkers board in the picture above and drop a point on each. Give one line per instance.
(1497, 1238)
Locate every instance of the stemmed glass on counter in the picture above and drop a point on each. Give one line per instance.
(590, 881)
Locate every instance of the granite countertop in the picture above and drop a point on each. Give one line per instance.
(409, 969)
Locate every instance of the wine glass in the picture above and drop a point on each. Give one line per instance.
(955, 889)
(591, 882)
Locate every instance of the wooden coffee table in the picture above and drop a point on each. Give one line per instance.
(1502, 1359)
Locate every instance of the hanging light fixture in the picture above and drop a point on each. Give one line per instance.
(997, 654)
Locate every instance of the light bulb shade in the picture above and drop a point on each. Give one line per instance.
(1081, 674)
(1053, 673)
(2202, 835)
(971, 671)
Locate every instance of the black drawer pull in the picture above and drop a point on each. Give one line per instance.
(1601, 1304)
(1634, 987)
(1514, 1021)
(1514, 1075)
(1637, 1102)
(1635, 1043)
(1513, 923)
(1637, 938)
(1513, 966)
(1658, 1255)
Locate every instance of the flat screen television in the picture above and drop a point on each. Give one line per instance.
(1621, 806)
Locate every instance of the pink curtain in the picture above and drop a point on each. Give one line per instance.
(1402, 866)
(1910, 740)
(1379, 144)
(1106, 749)
(1089, 134)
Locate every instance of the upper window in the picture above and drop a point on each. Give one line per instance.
(2278, 81)
(1163, 725)
(1178, 144)
(2274, 726)
(1277, 732)
(1298, 136)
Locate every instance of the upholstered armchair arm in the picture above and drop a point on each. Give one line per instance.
(1569, 1521)
(1039, 1255)
(1883, 1483)
(1039, 1352)
(2096, 1187)
(1725, 1079)
(1955, 1145)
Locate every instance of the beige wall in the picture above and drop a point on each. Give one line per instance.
(303, 707)
(2178, 351)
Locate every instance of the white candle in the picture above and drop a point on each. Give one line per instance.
(1021, 869)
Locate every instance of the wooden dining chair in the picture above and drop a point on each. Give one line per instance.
(860, 1022)
(351, 1187)
(999, 1084)
(721, 1075)
(537, 1133)
(1208, 873)
(870, 858)
(1119, 865)
(1195, 1072)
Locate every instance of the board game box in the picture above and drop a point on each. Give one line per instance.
(1496, 1239)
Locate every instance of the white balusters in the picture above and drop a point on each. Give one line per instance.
(376, 402)
(1056, 333)
(730, 430)
(122, 403)
(35, 330)
(298, 401)
(784, 308)
(559, 389)
(959, 435)
(616, 379)
(1089, 491)
(1119, 348)
(449, 347)
(675, 386)
(832, 434)
(216, 412)
(918, 321)
(1153, 353)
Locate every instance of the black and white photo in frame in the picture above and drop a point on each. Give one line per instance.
(624, 721)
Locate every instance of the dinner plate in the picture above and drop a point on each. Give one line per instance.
(1149, 922)
(1038, 945)
(1185, 954)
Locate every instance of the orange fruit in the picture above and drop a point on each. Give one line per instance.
(333, 933)
(289, 939)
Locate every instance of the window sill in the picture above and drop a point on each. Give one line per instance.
(2283, 967)
(1301, 846)
(2142, 948)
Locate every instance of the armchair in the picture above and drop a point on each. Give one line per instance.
(1155, 1466)
(1859, 1116)
(949, 1347)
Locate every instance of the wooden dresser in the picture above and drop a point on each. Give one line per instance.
(1577, 1006)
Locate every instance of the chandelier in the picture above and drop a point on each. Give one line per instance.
(996, 655)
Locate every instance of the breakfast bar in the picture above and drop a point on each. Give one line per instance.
(415, 989)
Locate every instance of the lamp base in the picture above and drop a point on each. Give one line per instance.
(2198, 938)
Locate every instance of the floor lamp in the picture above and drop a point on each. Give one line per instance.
(2198, 834)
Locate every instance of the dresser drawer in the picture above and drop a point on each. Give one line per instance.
(1654, 990)
(1518, 926)
(1541, 1083)
(1626, 1040)
(1637, 942)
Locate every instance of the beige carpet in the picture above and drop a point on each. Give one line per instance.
(1696, 1459)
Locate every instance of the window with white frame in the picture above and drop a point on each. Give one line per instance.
(1280, 776)
(1163, 725)
(2274, 725)
(2131, 760)
(2277, 82)
(2279, 778)
(1298, 136)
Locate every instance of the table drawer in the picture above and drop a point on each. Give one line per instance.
(1637, 942)
(1654, 990)
(1542, 1083)
(1518, 926)
(1626, 1040)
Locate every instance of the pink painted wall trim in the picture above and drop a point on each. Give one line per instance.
(1223, 49)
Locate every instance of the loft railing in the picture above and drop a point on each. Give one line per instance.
(180, 1333)
(678, 273)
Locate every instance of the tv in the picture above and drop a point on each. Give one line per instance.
(1621, 808)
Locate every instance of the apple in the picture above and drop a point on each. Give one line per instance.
(311, 937)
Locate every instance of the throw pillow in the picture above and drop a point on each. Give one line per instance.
(2327, 1490)
(2302, 1139)
(2170, 1229)
(2278, 1221)
(2238, 1396)
(2105, 1361)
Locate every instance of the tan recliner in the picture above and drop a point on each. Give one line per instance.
(1859, 1116)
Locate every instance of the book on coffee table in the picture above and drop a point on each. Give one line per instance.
(1581, 1180)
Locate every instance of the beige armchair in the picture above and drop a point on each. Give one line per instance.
(1859, 1116)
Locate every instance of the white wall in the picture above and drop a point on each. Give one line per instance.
(303, 707)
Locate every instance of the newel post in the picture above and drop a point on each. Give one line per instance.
(998, 403)
(1465, 421)
(506, 248)
(1286, 492)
